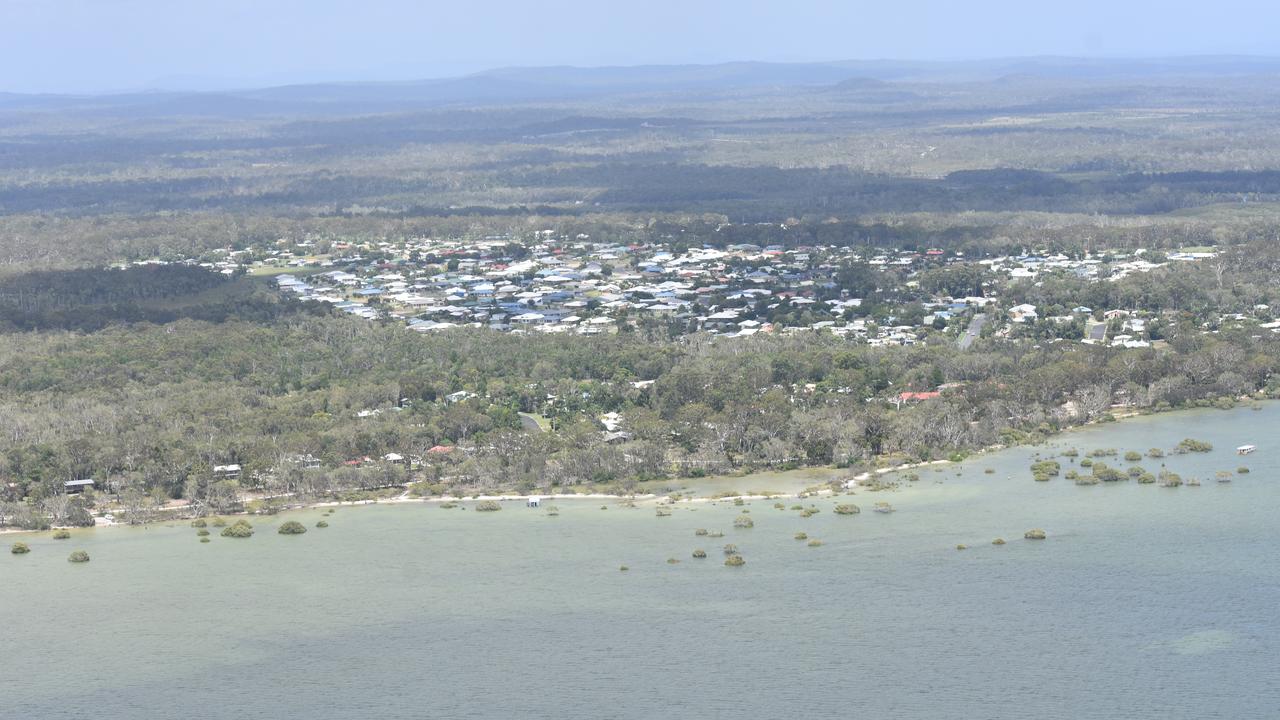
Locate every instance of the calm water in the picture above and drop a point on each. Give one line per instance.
(1145, 602)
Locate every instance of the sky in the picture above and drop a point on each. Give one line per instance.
(118, 45)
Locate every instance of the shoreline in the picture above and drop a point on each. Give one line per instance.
(850, 483)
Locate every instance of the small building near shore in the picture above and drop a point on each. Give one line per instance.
(534, 501)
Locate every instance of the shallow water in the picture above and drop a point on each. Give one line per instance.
(1145, 602)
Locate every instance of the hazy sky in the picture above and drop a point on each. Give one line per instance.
(96, 45)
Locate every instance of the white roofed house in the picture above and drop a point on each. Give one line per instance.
(1023, 313)
(227, 472)
(77, 486)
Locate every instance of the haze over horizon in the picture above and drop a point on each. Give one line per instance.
(113, 45)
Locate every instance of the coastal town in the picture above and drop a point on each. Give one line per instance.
(554, 283)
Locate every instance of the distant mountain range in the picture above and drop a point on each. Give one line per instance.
(545, 84)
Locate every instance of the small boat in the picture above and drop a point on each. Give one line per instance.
(1246, 449)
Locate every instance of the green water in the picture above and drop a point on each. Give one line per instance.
(1145, 602)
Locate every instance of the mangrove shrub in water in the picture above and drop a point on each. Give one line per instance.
(61, 534)
(322, 524)
(240, 529)
(742, 521)
(699, 554)
(734, 561)
(292, 527)
(79, 556)
(1036, 534)
(19, 548)
(848, 509)
(1192, 445)
(488, 506)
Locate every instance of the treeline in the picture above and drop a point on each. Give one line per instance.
(151, 409)
(92, 299)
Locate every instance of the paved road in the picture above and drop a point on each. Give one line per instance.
(973, 331)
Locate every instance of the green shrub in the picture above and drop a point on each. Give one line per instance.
(322, 524)
(847, 509)
(998, 541)
(1107, 474)
(730, 549)
(1134, 471)
(990, 471)
(1036, 534)
(1086, 463)
(204, 539)
(1133, 456)
(815, 543)
(1072, 475)
(1190, 445)
(801, 536)
(1146, 478)
(61, 534)
(700, 532)
(1242, 470)
(738, 501)
(1070, 452)
(623, 568)
(1155, 453)
(240, 529)
(488, 506)
(742, 521)
(962, 546)
(672, 561)
(734, 561)
(1049, 468)
(19, 548)
(198, 523)
(291, 527)
(700, 554)
(79, 556)
(202, 532)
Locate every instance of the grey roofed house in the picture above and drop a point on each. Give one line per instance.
(75, 486)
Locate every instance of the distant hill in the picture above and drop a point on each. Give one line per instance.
(549, 84)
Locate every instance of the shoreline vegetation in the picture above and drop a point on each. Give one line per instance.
(838, 486)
